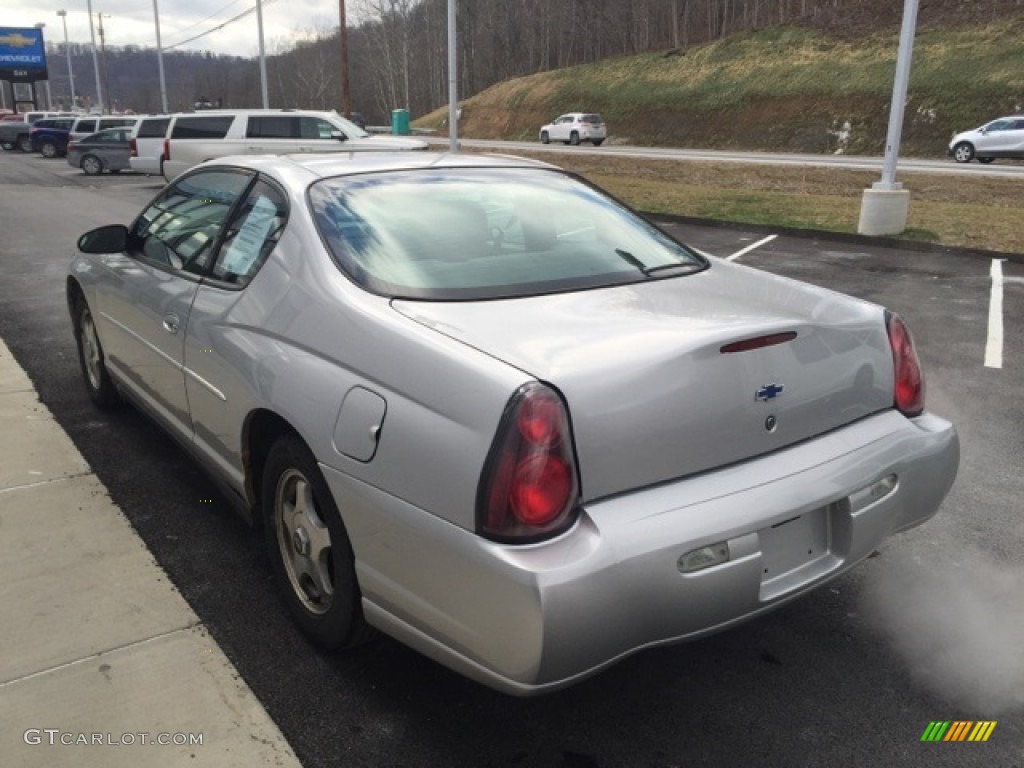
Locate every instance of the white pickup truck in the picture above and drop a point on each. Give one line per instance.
(195, 137)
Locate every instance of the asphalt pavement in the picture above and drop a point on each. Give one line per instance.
(134, 600)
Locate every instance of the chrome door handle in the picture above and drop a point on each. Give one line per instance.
(171, 323)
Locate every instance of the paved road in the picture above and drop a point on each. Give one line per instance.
(930, 630)
(1000, 168)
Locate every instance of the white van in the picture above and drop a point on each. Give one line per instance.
(195, 137)
(146, 145)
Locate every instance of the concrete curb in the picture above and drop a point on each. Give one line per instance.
(104, 662)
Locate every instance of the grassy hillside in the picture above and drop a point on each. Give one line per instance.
(783, 88)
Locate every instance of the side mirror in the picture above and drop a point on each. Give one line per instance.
(112, 238)
(338, 135)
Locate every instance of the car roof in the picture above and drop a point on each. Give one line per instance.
(351, 163)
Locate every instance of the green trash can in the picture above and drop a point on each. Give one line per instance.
(400, 122)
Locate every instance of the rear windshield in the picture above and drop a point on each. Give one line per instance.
(592, 119)
(477, 233)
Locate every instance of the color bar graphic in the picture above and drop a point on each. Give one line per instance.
(958, 730)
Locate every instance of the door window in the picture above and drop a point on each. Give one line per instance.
(179, 230)
(316, 128)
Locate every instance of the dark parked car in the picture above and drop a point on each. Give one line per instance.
(50, 136)
(106, 150)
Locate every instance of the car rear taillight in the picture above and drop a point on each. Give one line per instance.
(908, 389)
(167, 149)
(133, 148)
(529, 488)
(71, 145)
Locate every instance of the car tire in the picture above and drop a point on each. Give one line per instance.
(310, 549)
(101, 389)
(544, 138)
(985, 160)
(25, 144)
(574, 139)
(48, 150)
(963, 152)
(92, 165)
(7, 145)
(597, 142)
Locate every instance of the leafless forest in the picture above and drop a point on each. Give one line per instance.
(397, 49)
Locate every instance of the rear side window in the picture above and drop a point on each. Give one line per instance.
(272, 127)
(208, 127)
(251, 235)
(85, 126)
(153, 129)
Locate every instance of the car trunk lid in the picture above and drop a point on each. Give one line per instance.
(672, 377)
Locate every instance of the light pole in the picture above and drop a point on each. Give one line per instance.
(95, 58)
(49, 96)
(346, 92)
(160, 58)
(263, 58)
(453, 90)
(67, 49)
(885, 207)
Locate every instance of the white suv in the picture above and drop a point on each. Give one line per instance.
(574, 127)
(195, 137)
(1000, 138)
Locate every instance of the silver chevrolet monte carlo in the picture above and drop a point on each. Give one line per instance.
(482, 407)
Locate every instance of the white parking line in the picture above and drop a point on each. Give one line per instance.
(994, 345)
(751, 247)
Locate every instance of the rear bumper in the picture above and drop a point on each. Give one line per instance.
(535, 618)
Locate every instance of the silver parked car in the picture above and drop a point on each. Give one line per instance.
(1000, 138)
(486, 409)
(107, 150)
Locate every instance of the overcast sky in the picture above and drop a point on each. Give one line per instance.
(131, 22)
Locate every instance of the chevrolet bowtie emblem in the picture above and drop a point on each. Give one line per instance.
(769, 392)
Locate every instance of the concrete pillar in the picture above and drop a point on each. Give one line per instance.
(884, 210)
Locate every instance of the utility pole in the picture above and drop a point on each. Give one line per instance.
(346, 93)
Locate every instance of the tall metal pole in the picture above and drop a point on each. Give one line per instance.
(899, 96)
(453, 90)
(346, 91)
(103, 56)
(160, 58)
(263, 58)
(67, 49)
(49, 96)
(95, 58)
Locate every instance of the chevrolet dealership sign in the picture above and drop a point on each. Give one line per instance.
(22, 55)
